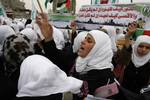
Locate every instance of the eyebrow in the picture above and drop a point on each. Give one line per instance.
(141, 45)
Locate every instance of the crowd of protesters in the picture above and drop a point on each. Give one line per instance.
(40, 62)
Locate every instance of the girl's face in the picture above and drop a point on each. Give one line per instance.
(143, 49)
(86, 46)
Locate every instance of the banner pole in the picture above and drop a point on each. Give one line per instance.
(40, 7)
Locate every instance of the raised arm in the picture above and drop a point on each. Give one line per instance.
(45, 26)
(130, 31)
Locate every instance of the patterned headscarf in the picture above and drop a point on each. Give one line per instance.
(5, 31)
(16, 48)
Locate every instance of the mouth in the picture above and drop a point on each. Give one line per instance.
(81, 49)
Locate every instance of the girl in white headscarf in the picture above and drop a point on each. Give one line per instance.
(40, 78)
(94, 61)
(136, 58)
(101, 51)
(137, 72)
(139, 58)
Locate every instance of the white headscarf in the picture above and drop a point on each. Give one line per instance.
(15, 27)
(78, 39)
(66, 35)
(20, 25)
(7, 20)
(2, 20)
(38, 30)
(5, 31)
(31, 34)
(137, 60)
(29, 26)
(40, 77)
(57, 35)
(58, 38)
(111, 31)
(100, 56)
(120, 34)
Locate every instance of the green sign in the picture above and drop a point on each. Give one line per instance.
(137, 33)
(146, 11)
(61, 17)
(1, 12)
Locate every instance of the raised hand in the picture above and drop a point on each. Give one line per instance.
(73, 26)
(131, 29)
(45, 27)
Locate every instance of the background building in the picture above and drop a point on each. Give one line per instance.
(15, 8)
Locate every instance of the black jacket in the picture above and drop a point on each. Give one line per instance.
(50, 97)
(63, 59)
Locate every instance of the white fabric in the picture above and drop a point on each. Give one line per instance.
(120, 36)
(58, 38)
(5, 31)
(38, 30)
(100, 56)
(57, 35)
(2, 20)
(137, 60)
(20, 25)
(7, 20)
(40, 77)
(29, 26)
(78, 39)
(15, 27)
(111, 31)
(66, 35)
(31, 34)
